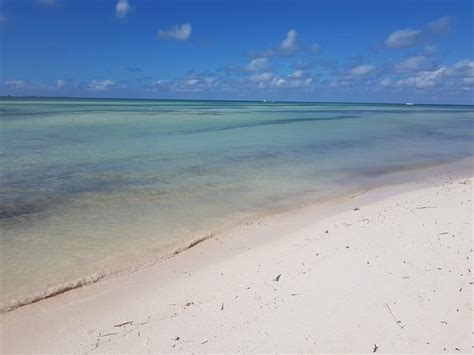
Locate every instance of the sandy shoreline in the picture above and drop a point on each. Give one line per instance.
(393, 271)
(127, 264)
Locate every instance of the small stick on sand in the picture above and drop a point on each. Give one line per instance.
(397, 322)
(106, 335)
(124, 323)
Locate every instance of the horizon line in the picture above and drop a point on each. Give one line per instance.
(230, 100)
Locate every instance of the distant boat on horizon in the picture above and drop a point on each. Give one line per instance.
(410, 103)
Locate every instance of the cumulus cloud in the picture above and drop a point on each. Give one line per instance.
(193, 82)
(403, 38)
(408, 37)
(177, 32)
(462, 69)
(122, 8)
(58, 86)
(457, 76)
(196, 84)
(412, 64)
(387, 82)
(263, 80)
(423, 79)
(157, 85)
(15, 84)
(263, 77)
(60, 83)
(297, 79)
(258, 64)
(362, 70)
(298, 74)
(440, 26)
(292, 82)
(65, 84)
(289, 45)
(24, 87)
(103, 85)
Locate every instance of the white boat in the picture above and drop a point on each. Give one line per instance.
(410, 103)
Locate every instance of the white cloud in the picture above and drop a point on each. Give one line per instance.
(387, 82)
(403, 38)
(412, 64)
(194, 83)
(266, 76)
(440, 26)
(191, 82)
(262, 80)
(103, 85)
(289, 45)
(409, 37)
(457, 76)
(65, 84)
(362, 70)
(210, 80)
(297, 74)
(3, 19)
(177, 32)
(157, 85)
(423, 79)
(464, 68)
(25, 87)
(297, 79)
(258, 64)
(15, 84)
(292, 82)
(60, 84)
(122, 8)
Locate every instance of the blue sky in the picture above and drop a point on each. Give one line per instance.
(340, 50)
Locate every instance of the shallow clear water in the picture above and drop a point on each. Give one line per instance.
(88, 186)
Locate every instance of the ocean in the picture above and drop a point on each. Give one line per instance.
(92, 187)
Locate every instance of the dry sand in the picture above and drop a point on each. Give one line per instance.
(387, 271)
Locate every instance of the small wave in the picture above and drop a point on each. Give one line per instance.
(95, 277)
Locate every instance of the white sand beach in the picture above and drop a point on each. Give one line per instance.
(386, 271)
(224, 177)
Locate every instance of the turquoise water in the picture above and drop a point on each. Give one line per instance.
(91, 186)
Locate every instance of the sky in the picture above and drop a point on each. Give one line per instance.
(340, 50)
